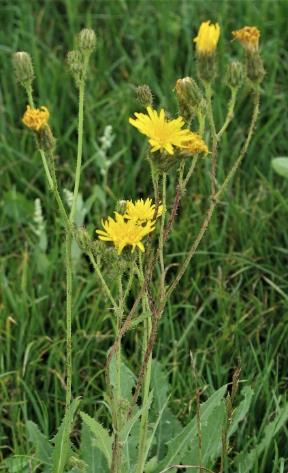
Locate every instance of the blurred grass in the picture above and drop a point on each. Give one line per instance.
(232, 303)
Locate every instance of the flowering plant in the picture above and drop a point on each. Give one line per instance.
(135, 238)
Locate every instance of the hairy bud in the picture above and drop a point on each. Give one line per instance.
(23, 68)
(87, 40)
(144, 95)
(75, 65)
(235, 74)
(189, 97)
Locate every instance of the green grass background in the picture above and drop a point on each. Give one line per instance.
(232, 303)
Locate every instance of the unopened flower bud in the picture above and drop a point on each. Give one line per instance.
(75, 64)
(87, 40)
(144, 95)
(189, 97)
(235, 74)
(83, 239)
(23, 68)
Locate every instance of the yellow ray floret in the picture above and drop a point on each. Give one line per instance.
(207, 38)
(142, 211)
(248, 36)
(35, 118)
(163, 134)
(196, 145)
(123, 233)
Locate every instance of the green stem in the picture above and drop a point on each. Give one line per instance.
(116, 399)
(208, 90)
(147, 378)
(80, 141)
(161, 238)
(230, 113)
(68, 320)
(103, 282)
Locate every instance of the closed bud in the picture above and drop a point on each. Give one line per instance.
(144, 95)
(75, 64)
(23, 68)
(83, 239)
(87, 40)
(189, 97)
(235, 74)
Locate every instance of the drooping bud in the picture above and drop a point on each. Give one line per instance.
(144, 95)
(87, 40)
(189, 96)
(23, 68)
(235, 74)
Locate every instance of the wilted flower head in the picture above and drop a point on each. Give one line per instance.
(35, 118)
(142, 211)
(207, 38)
(196, 145)
(249, 37)
(125, 233)
(163, 134)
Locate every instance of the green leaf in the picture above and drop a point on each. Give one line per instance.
(17, 207)
(187, 438)
(16, 464)
(92, 456)
(280, 165)
(244, 461)
(241, 411)
(127, 378)
(61, 441)
(43, 448)
(103, 439)
(169, 426)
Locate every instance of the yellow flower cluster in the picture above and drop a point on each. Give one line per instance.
(207, 38)
(249, 37)
(129, 229)
(35, 118)
(166, 134)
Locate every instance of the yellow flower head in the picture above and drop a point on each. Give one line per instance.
(196, 145)
(163, 133)
(249, 37)
(141, 211)
(123, 233)
(35, 118)
(207, 38)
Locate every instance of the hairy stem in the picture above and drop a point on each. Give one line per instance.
(230, 112)
(147, 377)
(80, 140)
(209, 92)
(161, 238)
